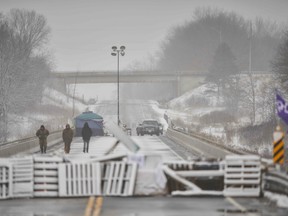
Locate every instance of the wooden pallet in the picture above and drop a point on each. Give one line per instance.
(5, 179)
(118, 178)
(242, 175)
(23, 179)
(46, 176)
(79, 179)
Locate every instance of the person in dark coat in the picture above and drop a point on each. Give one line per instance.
(42, 134)
(67, 136)
(86, 135)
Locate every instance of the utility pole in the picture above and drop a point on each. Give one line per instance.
(116, 52)
(251, 76)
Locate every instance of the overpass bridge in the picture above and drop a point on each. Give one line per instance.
(185, 80)
(136, 76)
(125, 76)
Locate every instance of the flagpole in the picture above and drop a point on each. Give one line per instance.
(250, 73)
(277, 118)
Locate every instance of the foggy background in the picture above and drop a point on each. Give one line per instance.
(212, 38)
(83, 32)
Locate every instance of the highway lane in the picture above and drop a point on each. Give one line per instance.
(132, 206)
(132, 112)
(188, 206)
(184, 153)
(99, 146)
(143, 206)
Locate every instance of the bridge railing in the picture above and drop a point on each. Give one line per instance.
(28, 144)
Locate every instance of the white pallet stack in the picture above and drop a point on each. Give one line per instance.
(46, 176)
(79, 179)
(242, 176)
(23, 179)
(118, 178)
(5, 180)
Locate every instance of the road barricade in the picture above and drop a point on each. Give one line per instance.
(242, 175)
(79, 179)
(118, 178)
(120, 175)
(46, 176)
(6, 176)
(150, 179)
(23, 176)
(53, 176)
(194, 178)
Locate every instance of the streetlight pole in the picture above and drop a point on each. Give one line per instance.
(116, 52)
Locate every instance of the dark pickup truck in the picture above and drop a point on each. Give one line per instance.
(149, 127)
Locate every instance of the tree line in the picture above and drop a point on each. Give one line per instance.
(24, 63)
(231, 50)
(192, 45)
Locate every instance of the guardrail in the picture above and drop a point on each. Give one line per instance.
(272, 181)
(276, 182)
(11, 148)
(210, 141)
(187, 141)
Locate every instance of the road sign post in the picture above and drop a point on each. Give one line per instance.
(278, 146)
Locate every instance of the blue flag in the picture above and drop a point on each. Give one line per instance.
(282, 108)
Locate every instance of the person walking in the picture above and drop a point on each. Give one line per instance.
(67, 136)
(86, 135)
(42, 134)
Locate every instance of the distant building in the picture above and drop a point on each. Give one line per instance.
(94, 121)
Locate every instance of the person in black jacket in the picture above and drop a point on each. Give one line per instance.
(86, 135)
(42, 134)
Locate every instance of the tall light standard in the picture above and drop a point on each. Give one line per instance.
(116, 52)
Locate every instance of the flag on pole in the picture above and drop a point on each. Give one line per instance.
(282, 108)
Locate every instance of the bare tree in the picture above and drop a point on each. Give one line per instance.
(5, 77)
(280, 62)
(30, 30)
(23, 68)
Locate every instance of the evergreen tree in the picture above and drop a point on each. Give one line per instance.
(223, 67)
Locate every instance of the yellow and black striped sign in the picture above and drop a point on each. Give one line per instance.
(278, 150)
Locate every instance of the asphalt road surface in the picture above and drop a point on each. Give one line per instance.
(143, 206)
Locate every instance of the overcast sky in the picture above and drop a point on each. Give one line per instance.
(83, 31)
